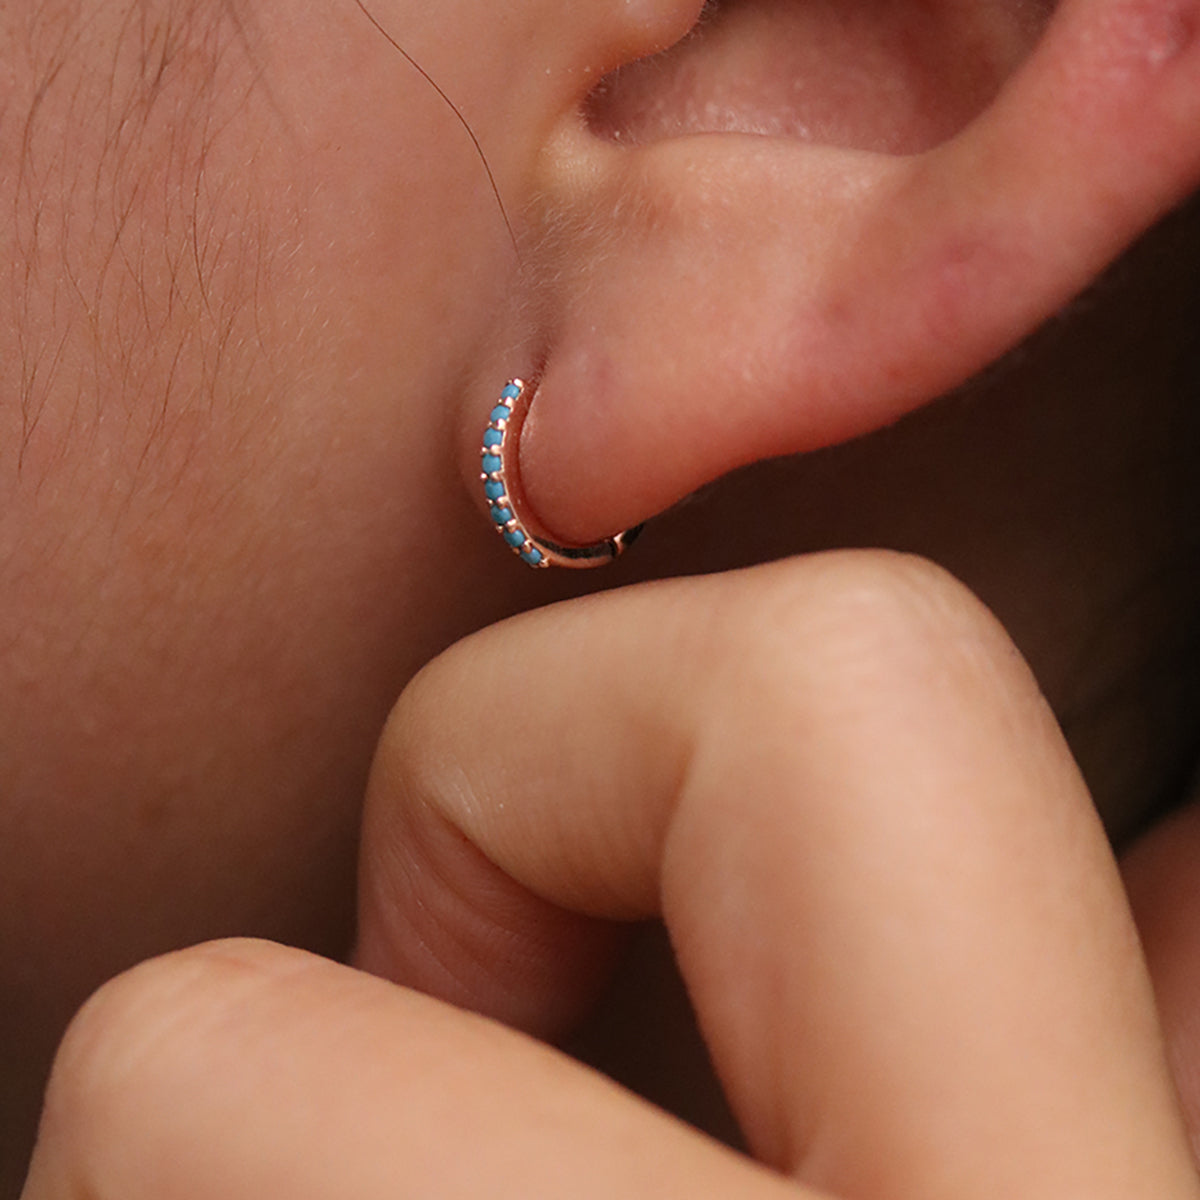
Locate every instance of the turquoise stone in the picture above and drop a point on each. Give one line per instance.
(511, 392)
(532, 555)
(493, 489)
(500, 413)
(514, 537)
(501, 516)
(492, 437)
(492, 463)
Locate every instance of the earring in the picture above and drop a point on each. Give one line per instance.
(502, 487)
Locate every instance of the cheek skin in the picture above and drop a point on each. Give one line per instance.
(229, 523)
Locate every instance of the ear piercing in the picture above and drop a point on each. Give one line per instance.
(502, 487)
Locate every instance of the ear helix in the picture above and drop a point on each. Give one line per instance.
(506, 504)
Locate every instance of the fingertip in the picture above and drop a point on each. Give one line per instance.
(113, 1089)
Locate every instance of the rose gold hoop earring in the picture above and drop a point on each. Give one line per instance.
(501, 486)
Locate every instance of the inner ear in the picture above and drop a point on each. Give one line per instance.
(893, 76)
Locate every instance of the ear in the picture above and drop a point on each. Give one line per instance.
(712, 286)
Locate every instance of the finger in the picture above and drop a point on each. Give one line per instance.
(896, 911)
(1162, 873)
(243, 1070)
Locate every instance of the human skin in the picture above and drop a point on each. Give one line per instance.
(261, 296)
(897, 913)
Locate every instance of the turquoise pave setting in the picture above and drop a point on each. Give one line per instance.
(495, 477)
(502, 489)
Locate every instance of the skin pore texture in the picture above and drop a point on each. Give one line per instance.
(257, 297)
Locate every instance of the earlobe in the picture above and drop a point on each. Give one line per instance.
(722, 297)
